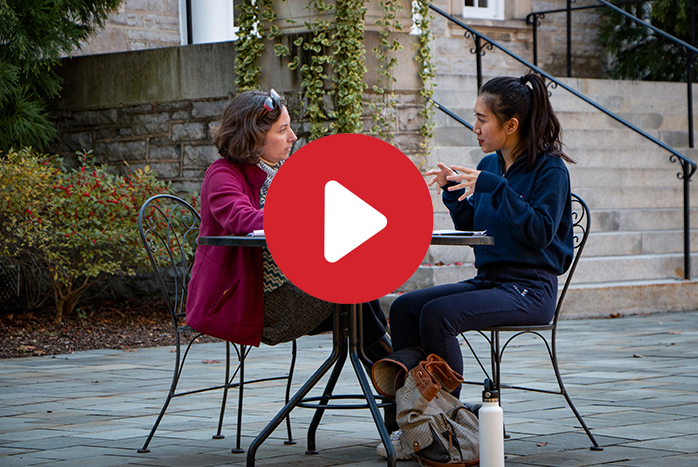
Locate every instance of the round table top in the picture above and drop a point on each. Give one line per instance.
(232, 240)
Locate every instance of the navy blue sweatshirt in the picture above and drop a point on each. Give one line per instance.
(527, 211)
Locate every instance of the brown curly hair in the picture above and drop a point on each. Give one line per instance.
(244, 125)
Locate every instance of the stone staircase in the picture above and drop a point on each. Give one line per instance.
(633, 261)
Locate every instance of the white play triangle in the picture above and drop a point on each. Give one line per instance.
(349, 221)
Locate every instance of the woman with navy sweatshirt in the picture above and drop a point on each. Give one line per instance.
(519, 194)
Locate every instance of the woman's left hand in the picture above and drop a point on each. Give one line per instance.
(465, 179)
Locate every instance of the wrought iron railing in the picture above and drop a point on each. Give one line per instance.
(483, 43)
(534, 19)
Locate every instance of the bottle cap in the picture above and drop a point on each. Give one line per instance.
(489, 392)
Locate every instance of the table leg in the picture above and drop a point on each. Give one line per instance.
(366, 388)
(331, 383)
(298, 397)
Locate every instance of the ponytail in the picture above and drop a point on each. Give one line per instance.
(526, 98)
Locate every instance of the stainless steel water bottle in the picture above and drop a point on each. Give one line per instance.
(491, 419)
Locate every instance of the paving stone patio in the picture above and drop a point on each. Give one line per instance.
(634, 380)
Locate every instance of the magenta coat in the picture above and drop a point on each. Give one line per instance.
(225, 296)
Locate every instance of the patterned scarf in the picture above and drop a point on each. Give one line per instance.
(273, 277)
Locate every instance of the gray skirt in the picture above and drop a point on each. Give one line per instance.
(290, 313)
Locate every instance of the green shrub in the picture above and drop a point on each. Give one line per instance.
(79, 224)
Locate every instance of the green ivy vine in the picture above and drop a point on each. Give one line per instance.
(252, 20)
(249, 46)
(349, 70)
(318, 52)
(383, 104)
(333, 51)
(422, 19)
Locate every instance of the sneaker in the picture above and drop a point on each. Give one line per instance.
(400, 454)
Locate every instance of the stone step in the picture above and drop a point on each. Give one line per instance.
(577, 118)
(652, 157)
(619, 298)
(643, 120)
(652, 112)
(618, 198)
(600, 244)
(590, 270)
(593, 270)
(616, 95)
(589, 177)
(574, 138)
(612, 87)
(611, 219)
(629, 297)
(634, 198)
(633, 220)
(646, 242)
(587, 86)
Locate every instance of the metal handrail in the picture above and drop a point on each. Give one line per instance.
(534, 18)
(451, 114)
(688, 166)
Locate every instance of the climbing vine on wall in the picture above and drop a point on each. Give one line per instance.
(349, 70)
(422, 18)
(319, 58)
(332, 62)
(255, 21)
(383, 104)
(249, 46)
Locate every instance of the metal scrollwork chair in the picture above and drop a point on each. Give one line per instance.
(582, 223)
(169, 227)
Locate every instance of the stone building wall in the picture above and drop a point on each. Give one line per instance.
(158, 107)
(137, 25)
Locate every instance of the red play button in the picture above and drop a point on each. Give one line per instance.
(348, 218)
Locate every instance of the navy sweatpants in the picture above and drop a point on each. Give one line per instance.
(432, 318)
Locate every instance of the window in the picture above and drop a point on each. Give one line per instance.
(485, 9)
(211, 21)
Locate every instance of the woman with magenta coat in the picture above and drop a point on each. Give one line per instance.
(238, 293)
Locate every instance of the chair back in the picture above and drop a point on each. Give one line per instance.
(581, 218)
(169, 227)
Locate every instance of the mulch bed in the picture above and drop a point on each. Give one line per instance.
(98, 324)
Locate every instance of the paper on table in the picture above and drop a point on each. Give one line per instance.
(462, 233)
(256, 233)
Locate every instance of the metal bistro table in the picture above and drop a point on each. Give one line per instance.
(346, 340)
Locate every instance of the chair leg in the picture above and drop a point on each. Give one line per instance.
(170, 395)
(218, 434)
(294, 352)
(563, 391)
(237, 449)
(145, 449)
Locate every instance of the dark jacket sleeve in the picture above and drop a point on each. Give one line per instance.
(535, 222)
(462, 212)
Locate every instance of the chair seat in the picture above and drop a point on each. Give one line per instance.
(535, 327)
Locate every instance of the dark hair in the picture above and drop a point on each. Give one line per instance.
(244, 125)
(526, 98)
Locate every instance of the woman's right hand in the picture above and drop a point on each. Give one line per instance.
(440, 174)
